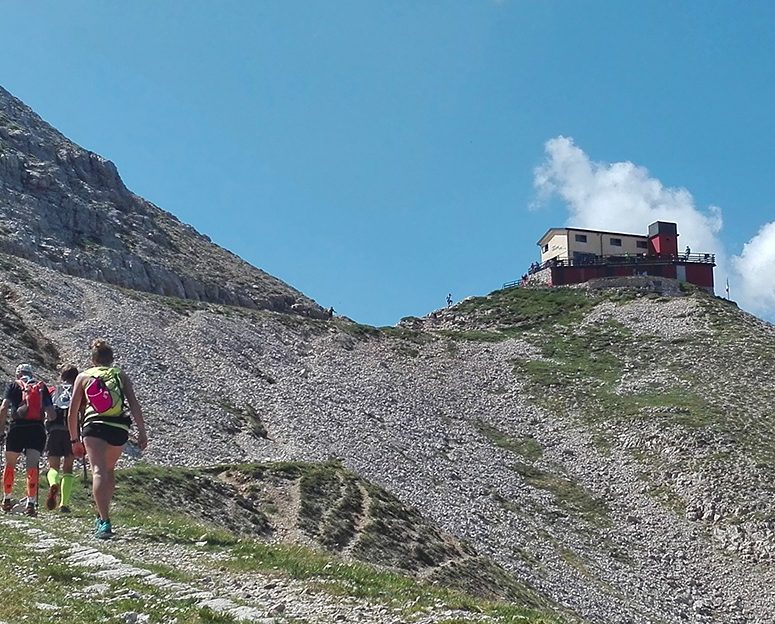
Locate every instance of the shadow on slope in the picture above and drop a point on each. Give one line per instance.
(22, 342)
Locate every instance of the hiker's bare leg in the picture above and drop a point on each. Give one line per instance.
(54, 462)
(103, 458)
(32, 463)
(11, 457)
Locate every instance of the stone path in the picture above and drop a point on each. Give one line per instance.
(247, 597)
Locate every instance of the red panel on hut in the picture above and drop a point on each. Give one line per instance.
(700, 274)
(563, 275)
(663, 239)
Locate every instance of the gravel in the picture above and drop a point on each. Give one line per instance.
(409, 417)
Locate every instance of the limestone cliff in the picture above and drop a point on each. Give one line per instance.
(67, 208)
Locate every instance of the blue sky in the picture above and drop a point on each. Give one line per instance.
(377, 156)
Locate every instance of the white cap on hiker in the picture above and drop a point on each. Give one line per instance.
(25, 370)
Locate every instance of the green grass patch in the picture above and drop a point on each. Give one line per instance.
(410, 335)
(146, 497)
(473, 335)
(678, 405)
(569, 494)
(362, 581)
(528, 308)
(40, 587)
(330, 504)
(526, 446)
(356, 330)
(585, 369)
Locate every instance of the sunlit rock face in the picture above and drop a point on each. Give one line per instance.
(67, 208)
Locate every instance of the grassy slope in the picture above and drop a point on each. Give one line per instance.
(147, 513)
(713, 411)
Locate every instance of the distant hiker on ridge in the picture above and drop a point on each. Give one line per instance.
(103, 391)
(449, 299)
(28, 402)
(58, 447)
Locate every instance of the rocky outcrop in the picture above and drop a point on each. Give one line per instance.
(67, 208)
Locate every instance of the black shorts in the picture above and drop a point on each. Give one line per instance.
(23, 437)
(58, 443)
(112, 435)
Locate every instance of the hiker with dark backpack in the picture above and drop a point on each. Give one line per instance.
(58, 448)
(104, 391)
(29, 403)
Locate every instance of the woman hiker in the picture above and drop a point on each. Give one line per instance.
(103, 391)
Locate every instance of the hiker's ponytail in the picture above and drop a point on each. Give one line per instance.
(101, 353)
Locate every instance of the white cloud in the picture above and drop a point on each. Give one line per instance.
(624, 197)
(752, 271)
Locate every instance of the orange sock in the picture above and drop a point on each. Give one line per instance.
(8, 473)
(32, 484)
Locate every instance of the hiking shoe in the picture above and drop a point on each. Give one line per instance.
(52, 498)
(29, 510)
(64, 509)
(7, 505)
(104, 530)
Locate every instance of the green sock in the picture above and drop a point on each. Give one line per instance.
(52, 476)
(67, 489)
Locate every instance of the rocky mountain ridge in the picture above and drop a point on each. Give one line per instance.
(67, 208)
